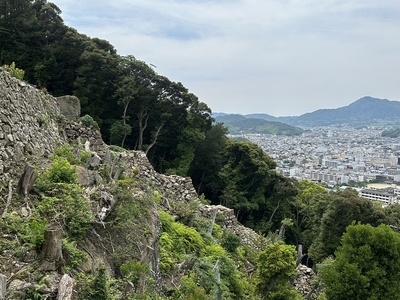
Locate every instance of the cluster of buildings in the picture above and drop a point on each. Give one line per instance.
(339, 156)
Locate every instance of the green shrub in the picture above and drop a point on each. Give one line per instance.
(88, 121)
(133, 271)
(73, 255)
(17, 73)
(61, 198)
(60, 171)
(43, 120)
(230, 241)
(67, 152)
(60, 118)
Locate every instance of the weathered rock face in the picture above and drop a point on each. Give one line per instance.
(27, 126)
(248, 236)
(70, 107)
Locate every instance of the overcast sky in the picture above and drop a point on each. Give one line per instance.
(280, 57)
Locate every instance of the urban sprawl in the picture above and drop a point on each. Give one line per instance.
(339, 157)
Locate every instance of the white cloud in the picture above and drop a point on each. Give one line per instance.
(273, 56)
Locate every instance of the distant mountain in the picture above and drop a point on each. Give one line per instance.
(364, 111)
(392, 133)
(262, 117)
(238, 124)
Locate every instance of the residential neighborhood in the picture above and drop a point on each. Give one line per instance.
(339, 156)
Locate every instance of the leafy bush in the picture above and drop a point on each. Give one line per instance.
(17, 73)
(62, 199)
(72, 254)
(60, 171)
(94, 287)
(133, 271)
(88, 121)
(230, 241)
(67, 152)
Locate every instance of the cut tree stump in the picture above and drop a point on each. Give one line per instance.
(52, 249)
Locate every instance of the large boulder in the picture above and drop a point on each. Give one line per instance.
(70, 107)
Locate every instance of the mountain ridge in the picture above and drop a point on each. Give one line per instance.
(362, 111)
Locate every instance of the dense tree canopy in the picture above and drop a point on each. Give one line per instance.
(344, 208)
(367, 265)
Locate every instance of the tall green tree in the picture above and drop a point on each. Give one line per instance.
(367, 265)
(246, 176)
(94, 85)
(309, 206)
(208, 162)
(344, 208)
(276, 267)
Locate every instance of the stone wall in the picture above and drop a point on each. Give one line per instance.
(248, 236)
(81, 134)
(304, 282)
(28, 129)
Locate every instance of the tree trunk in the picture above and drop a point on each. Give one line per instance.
(155, 138)
(142, 118)
(300, 254)
(52, 249)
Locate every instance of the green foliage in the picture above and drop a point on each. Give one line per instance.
(208, 161)
(214, 274)
(37, 227)
(67, 152)
(133, 271)
(309, 206)
(246, 175)
(62, 201)
(68, 208)
(276, 267)
(60, 171)
(60, 118)
(88, 121)
(157, 197)
(43, 120)
(176, 241)
(17, 73)
(190, 290)
(344, 208)
(367, 265)
(238, 124)
(72, 254)
(118, 132)
(131, 222)
(230, 241)
(13, 225)
(94, 287)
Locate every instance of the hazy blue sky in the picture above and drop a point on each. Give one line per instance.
(281, 57)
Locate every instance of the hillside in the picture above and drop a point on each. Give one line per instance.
(128, 190)
(238, 124)
(80, 213)
(365, 110)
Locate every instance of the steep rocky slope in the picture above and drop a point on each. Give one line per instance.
(40, 253)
